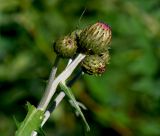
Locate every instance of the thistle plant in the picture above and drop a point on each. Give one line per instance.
(89, 49)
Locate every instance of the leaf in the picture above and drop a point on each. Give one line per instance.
(32, 122)
(69, 93)
(16, 122)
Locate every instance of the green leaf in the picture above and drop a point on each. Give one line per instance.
(69, 93)
(16, 122)
(32, 122)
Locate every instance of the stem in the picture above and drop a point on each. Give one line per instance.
(49, 92)
(62, 77)
(51, 79)
(47, 114)
(58, 99)
(54, 69)
(53, 73)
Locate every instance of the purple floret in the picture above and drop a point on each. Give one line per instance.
(104, 26)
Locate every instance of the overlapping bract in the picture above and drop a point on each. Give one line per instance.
(92, 41)
(95, 38)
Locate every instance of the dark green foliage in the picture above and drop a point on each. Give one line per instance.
(124, 101)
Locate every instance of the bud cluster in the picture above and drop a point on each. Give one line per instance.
(92, 41)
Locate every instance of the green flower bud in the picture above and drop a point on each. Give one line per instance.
(66, 46)
(76, 33)
(105, 56)
(95, 39)
(93, 65)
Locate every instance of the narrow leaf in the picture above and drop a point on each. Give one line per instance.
(69, 93)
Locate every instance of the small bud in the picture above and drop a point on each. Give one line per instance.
(105, 56)
(93, 65)
(76, 33)
(95, 38)
(66, 47)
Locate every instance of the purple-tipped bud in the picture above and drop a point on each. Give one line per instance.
(95, 38)
(105, 56)
(93, 65)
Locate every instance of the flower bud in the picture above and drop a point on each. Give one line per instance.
(76, 33)
(95, 38)
(66, 46)
(105, 56)
(93, 65)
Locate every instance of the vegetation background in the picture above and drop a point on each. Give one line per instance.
(125, 101)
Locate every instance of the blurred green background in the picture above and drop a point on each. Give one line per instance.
(125, 101)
